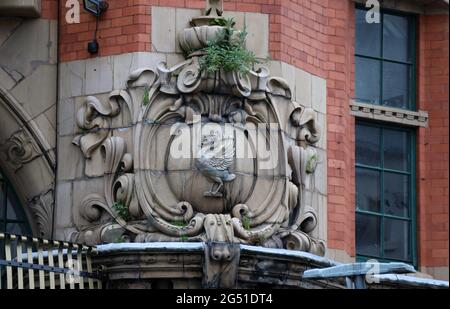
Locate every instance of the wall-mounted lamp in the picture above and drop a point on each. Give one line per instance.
(96, 7)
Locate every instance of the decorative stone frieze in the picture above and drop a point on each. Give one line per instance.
(225, 158)
(389, 114)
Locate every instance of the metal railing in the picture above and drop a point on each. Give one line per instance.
(29, 263)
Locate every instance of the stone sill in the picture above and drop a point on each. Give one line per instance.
(389, 114)
(20, 8)
(142, 265)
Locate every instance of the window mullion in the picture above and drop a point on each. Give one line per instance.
(382, 57)
(382, 193)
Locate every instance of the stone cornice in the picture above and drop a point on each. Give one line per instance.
(389, 114)
(22, 8)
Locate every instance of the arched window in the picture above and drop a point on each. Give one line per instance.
(12, 216)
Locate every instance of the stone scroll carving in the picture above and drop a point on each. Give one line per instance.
(192, 156)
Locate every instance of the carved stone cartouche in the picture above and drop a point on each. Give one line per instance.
(246, 187)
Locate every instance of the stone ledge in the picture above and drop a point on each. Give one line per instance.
(389, 114)
(20, 8)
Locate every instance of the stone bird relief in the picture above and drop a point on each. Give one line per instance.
(182, 148)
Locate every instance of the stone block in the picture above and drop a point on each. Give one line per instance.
(6, 81)
(99, 75)
(70, 158)
(258, 33)
(322, 121)
(53, 43)
(27, 47)
(288, 73)
(303, 81)
(7, 27)
(320, 176)
(72, 79)
(63, 213)
(37, 92)
(163, 29)
(46, 128)
(66, 117)
(319, 94)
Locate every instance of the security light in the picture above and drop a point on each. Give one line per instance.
(96, 7)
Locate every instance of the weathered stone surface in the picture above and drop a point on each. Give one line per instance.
(150, 265)
(64, 205)
(46, 127)
(319, 94)
(258, 33)
(72, 79)
(320, 176)
(30, 92)
(164, 36)
(27, 47)
(73, 161)
(303, 87)
(99, 75)
(66, 116)
(7, 27)
(6, 81)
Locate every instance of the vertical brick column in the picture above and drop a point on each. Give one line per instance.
(341, 126)
(433, 153)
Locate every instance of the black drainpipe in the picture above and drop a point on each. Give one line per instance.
(58, 32)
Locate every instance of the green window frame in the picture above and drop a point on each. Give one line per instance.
(380, 64)
(382, 214)
(12, 216)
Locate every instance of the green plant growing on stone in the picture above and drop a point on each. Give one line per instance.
(246, 223)
(120, 240)
(122, 211)
(179, 223)
(311, 164)
(184, 238)
(146, 97)
(228, 51)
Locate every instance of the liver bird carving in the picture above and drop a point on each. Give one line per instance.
(213, 161)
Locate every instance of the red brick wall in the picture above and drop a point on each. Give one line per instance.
(433, 153)
(49, 9)
(339, 70)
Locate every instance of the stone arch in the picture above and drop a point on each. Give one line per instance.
(28, 161)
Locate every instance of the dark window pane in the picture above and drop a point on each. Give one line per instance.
(396, 85)
(368, 145)
(14, 209)
(396, 38)
(17, 229)
(368, 36)
(367, 235)
(396, 239)
(396, 150)
(367, 80)
(367, 190)
(396, 191)
(2, 201)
